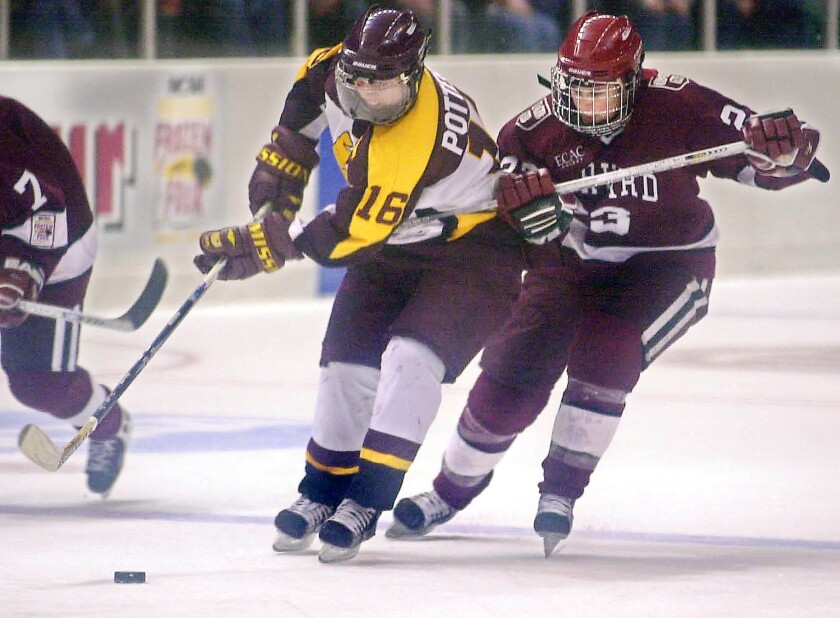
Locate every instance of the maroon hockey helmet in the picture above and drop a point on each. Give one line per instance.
(380, 65)
(598, 69)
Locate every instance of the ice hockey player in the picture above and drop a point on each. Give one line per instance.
(629, 277)
(47, 250)
(420, 295)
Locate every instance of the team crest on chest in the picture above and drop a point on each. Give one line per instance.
(571, 157)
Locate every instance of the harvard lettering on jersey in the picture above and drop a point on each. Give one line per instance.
(44, 210)
(661, 212)
(435, 159)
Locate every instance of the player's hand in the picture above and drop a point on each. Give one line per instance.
(782, 144)
(19, 280)
(528, 203)
(282, 171)
(262, 246)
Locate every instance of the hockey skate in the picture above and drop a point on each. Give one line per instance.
(417, 516)
(554, 520)
(298, 524)
(343, 533)
(106, 458)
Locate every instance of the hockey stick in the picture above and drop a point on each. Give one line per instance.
(38, 447)
(817, 170)
(132, 319)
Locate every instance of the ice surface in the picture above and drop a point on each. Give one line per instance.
(720, 495)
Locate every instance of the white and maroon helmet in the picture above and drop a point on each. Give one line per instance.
(601, 54)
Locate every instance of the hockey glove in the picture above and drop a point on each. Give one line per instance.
(19, 280)
(782, 145)
(528, 203)
(282, 171)
(249, 249)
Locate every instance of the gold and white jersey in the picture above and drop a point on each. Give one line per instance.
(404, 177)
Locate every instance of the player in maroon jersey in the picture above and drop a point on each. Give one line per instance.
(47, 250)
(629, 276)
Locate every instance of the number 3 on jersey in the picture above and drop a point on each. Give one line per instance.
(610, 219)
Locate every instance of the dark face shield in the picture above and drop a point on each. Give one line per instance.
(380, 101)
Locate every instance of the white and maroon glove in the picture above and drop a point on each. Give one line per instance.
(528, 203)
(781, 144)
(19, 280)
(263, 246)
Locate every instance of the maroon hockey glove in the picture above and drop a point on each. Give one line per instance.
(282, 171)
(528, 203)
(249, 249)
(19, 280)
(783, 144)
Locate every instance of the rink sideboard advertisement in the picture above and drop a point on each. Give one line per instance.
(166, 149)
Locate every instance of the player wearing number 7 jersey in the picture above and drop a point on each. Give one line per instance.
(419, 298)
(47, 250)
(632, 274)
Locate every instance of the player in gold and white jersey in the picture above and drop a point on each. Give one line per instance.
(424, 286)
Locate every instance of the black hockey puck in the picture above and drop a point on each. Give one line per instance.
(129, 577)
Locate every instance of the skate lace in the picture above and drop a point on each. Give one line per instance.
(556, 504)
(311, 511)
(101, 455)
(432, 505)
(354, 516)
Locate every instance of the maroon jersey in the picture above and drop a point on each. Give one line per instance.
(45, 217)
(672, 115)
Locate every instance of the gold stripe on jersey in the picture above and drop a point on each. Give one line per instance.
(469, 222)
(318, 56)
(383, 459)
(398, 154)
(337, 470)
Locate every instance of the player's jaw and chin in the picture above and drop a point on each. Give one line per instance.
(597, 105)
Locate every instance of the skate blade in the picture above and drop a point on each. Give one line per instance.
(551, 541)
(333, 553)
(398, 530)
(285, 543)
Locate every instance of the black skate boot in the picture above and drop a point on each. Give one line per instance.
(106, 458)
(417, 516)
(554, 520)
(297, 525)
(343, 533)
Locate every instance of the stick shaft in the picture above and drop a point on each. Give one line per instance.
(54, 312)
(35, 444)
(158, 341)
(571, 186)
(653, 167)
(131, 320)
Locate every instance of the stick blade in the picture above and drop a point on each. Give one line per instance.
(37, 446)
(149, 298)
(819, 171)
